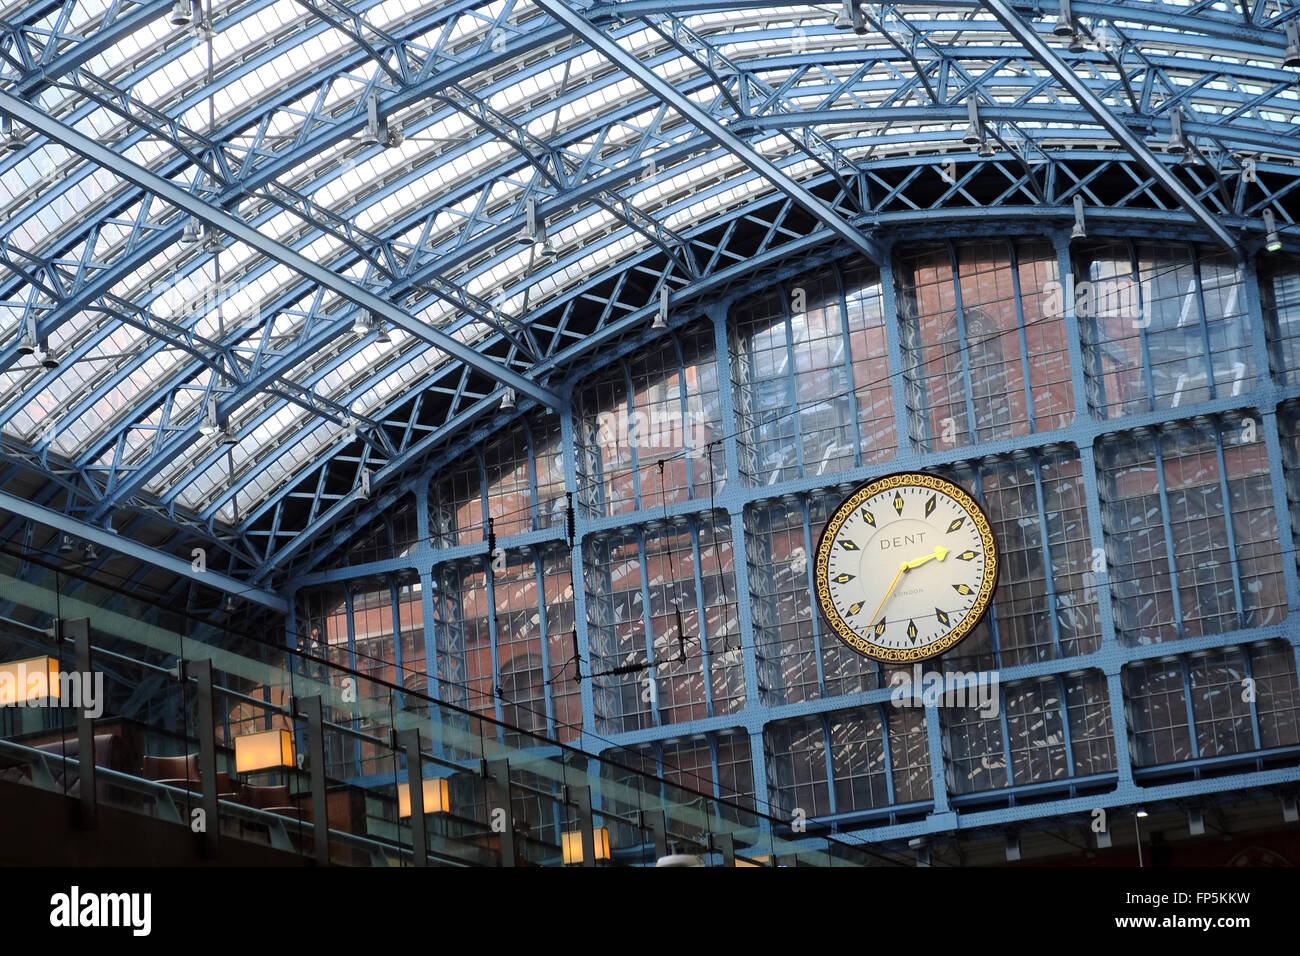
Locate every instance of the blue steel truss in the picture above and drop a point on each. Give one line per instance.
(702, 152)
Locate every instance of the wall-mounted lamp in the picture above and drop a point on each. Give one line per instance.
(571, 845)
(28, 681)
(265, 750)
(436, 797)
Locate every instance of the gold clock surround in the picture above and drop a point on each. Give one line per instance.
(983, 599)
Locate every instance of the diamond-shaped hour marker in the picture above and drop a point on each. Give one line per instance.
(957, 523)
(880, 627)
(963, 589)
(930, 505)
(842, 578)
(943, 618)
(967, 556)
(898, 503)
(868, 517)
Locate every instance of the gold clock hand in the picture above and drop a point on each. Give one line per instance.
(940, 552)
(889, 590)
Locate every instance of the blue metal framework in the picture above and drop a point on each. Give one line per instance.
(532, 182)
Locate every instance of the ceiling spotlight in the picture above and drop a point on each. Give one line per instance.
(210, 425)
(1064, 21)
(46, 356)
(1142, 814)
(65, 544)
(362, 322)
(534, 233)
(1076, 44)
(383, 338)
(661, 316)
(192, 232)
(1272, 239)
(9, 137)
(1292, 57)
(986, 147)
(211, 240)
(1080, 230)
(508, 400)
(228, 436)
(973, 129)
(182, 14)
(89, 551)
(28, 345)
(363, 485)
(1176, 144)
(850, 17)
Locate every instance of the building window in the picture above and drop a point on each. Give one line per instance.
(1163, 326)
(985, 354)
(1191, 536)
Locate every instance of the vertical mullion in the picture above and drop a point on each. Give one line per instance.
(1249, 671)
(1025, 369)
(1171, 560)
(883, 713)
(792, 381)
(1047, 556)
(1199, 294)
(634, 434)
(490, 588)
(1145, 348)
(706, 663)
(848, 365)
(809, 571)
(548, 697)
(963, 350)
(1062, 693)
(1229, 531)
(652, 672)
(1191, 715)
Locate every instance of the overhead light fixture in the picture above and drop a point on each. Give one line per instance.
(28, 345)
(383, 338)
(9, 137)
(47, 356)
(850, 17)
(508, 400)
(1142, 814)
(1190, 158)
(1272, 238)
(192, 232)
(182, 14)
(265, 750)
(210, 425)
(1080, 230)
(1076, 44)
(211, 240)
(378, 128)
(973, 129)
(227, 435)
(1292, 57)
(90, 551)
(534, 233)
(1064, 21)
(363, 485)
(362, 323)
(661, 316)
(986, 147)
(1176, 144)
(65, 544)
(571, 845)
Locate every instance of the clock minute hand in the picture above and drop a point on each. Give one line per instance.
(890, 590)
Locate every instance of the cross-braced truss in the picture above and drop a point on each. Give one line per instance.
(317, 242)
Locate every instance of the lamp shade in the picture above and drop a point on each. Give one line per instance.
(571, 845)
(264, 751)
(21, 682)
(436, 796)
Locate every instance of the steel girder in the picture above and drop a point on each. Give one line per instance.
(942, 74)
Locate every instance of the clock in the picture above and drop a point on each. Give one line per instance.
(906, 567)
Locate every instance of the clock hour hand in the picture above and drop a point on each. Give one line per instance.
(940, 552)
(902, 568)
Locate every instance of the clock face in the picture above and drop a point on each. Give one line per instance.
(906, 567)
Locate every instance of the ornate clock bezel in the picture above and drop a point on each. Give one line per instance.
(983, 599)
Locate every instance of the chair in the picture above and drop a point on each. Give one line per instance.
(275, 799)
(179, 772)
